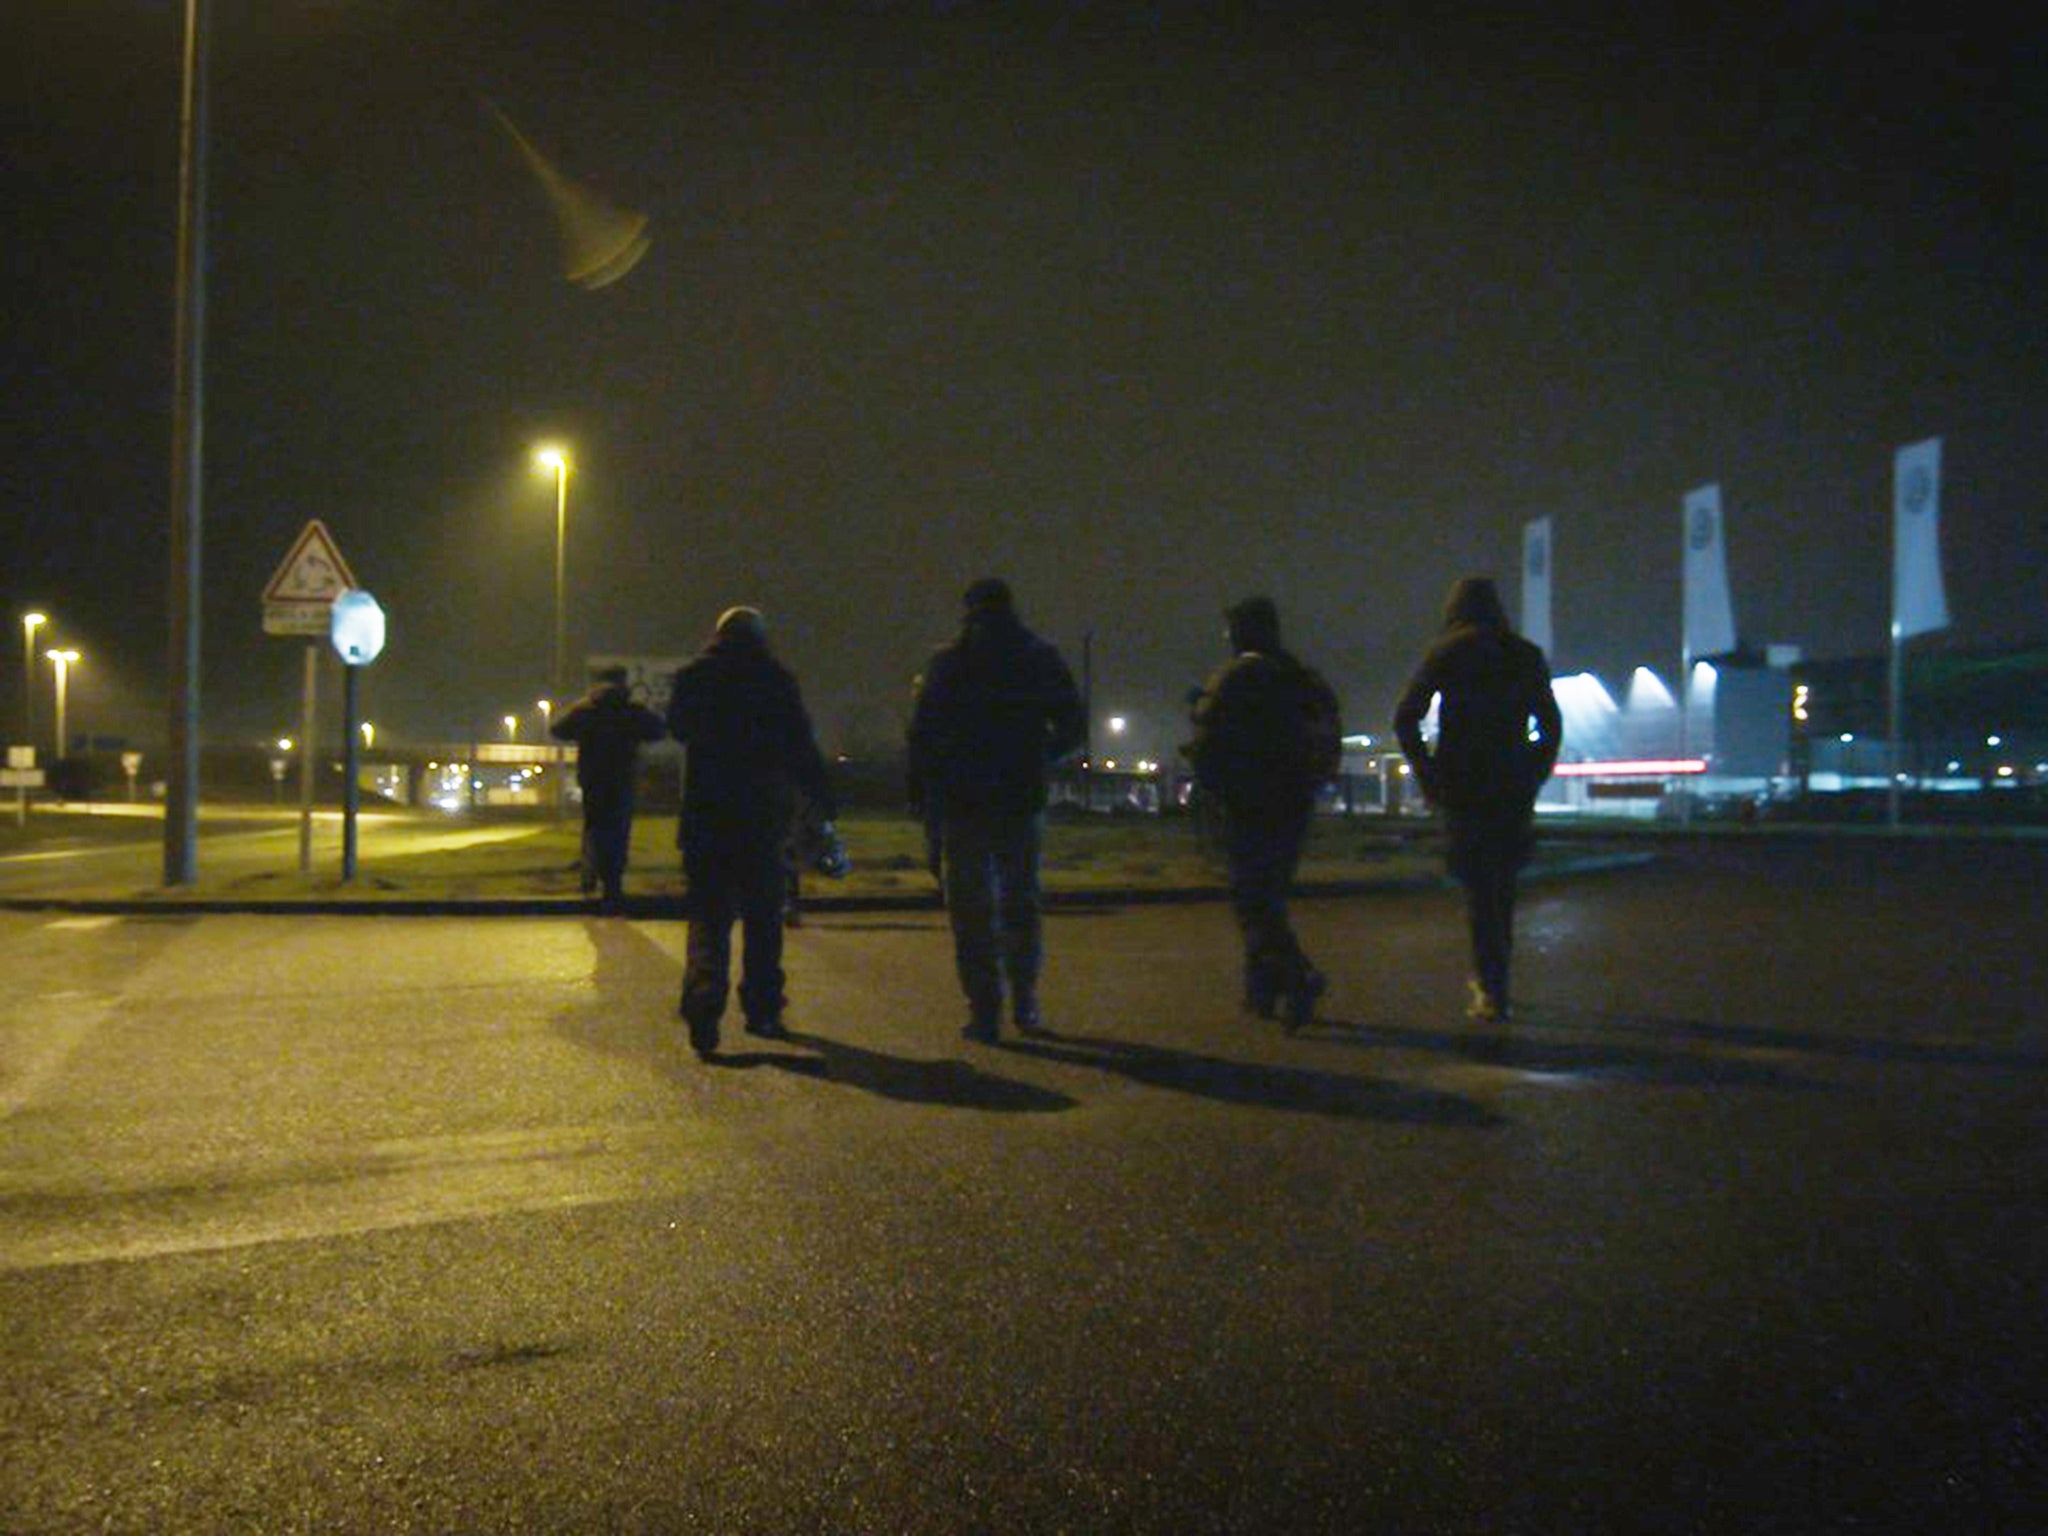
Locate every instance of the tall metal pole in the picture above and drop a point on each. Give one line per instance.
(1894, 712)
(181, 777)
(30, 623)
(352, 762)
(561, 569)
(63, 664)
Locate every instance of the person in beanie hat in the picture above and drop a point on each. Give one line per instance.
(1486, 766)
(749, 751)
(996, 709)
(1267, 738)
(608, 729)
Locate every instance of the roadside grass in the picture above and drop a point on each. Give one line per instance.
(427, 856)
(888, 860)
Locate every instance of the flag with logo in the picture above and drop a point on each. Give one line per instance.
(1918, 603)
(1709, 619)
(1536, 550)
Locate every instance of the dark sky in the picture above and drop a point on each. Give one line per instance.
(1144, 307)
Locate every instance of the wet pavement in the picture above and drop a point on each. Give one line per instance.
(381, 1224)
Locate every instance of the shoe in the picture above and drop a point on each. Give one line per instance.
(792, 917)
(982, 1029)
(767, 1029)
(1029, 1021)
(1262, 1005)
(1484, 1006)
(1301, 1002)
(703, 1034)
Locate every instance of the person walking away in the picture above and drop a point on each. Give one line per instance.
(608, 728)
(997, 708)
(1497, 738)
(1267, 738)
(749, 751)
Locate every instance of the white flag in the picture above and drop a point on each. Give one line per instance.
(1918, 603)
(1709, 621)
(1536, 549)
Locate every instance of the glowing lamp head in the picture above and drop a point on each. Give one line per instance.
(551, 459)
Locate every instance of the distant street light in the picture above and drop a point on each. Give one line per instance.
(63, 659)
(284, 743)
(558, 461)
(369, 735)
(30, 623)
(1117, 724)
(547, 711)
(511, 727)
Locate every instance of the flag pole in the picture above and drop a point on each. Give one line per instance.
(1895, 713)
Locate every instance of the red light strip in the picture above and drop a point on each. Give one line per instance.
(1648, 767)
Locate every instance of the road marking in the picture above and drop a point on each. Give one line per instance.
(82, 924)
(40, 1038)
(374, 1187)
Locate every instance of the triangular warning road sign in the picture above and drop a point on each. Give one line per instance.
(313, 572)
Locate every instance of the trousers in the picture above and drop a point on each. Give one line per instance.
(733, 882)
(1486, 853)
(1263, 853)
(992, 899)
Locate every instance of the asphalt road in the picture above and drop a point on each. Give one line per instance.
(395, 1225)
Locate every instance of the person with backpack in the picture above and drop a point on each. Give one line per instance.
(997, 708)
(1267, 739)
(608, 728)
(1486, 767)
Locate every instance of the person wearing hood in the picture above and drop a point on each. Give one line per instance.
(608, 729)
(1267, 739)
(749, 751)
(996, 709)
(1497, 738)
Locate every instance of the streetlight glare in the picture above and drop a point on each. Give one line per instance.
(550, 459)
(67, 657)
(34, 621)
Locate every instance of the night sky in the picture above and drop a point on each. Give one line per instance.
(1144, 307)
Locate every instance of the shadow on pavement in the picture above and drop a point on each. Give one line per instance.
(631, 1013)
(1299, 1090)
(1944, 1053)
(1513, 1047)
(913, 1081)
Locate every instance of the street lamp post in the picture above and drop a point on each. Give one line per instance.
(63, 659)
(511, 727)
(30, 623)
(558, 461)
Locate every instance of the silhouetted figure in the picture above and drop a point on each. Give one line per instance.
(997, 708)
(1267, 739)
(740, 718)
(1497, 738)
(608, 729)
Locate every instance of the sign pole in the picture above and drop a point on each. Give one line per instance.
(351, 756)
(306, 750)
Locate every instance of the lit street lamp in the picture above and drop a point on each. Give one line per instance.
(511, 727)
(558, 461)
(30, 623)
(369, 735)
(63, 659)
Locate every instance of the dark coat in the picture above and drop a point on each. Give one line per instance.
(1492, 683)
(608, 729)
(740, 718)
(997, 709)
(1266, 736)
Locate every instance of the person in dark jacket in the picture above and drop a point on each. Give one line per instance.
(608, 729)
(1267, 738)
(1497, 738)
(996, 709)
(740, 718)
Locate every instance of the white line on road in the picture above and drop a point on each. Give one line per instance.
(39, 1039)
